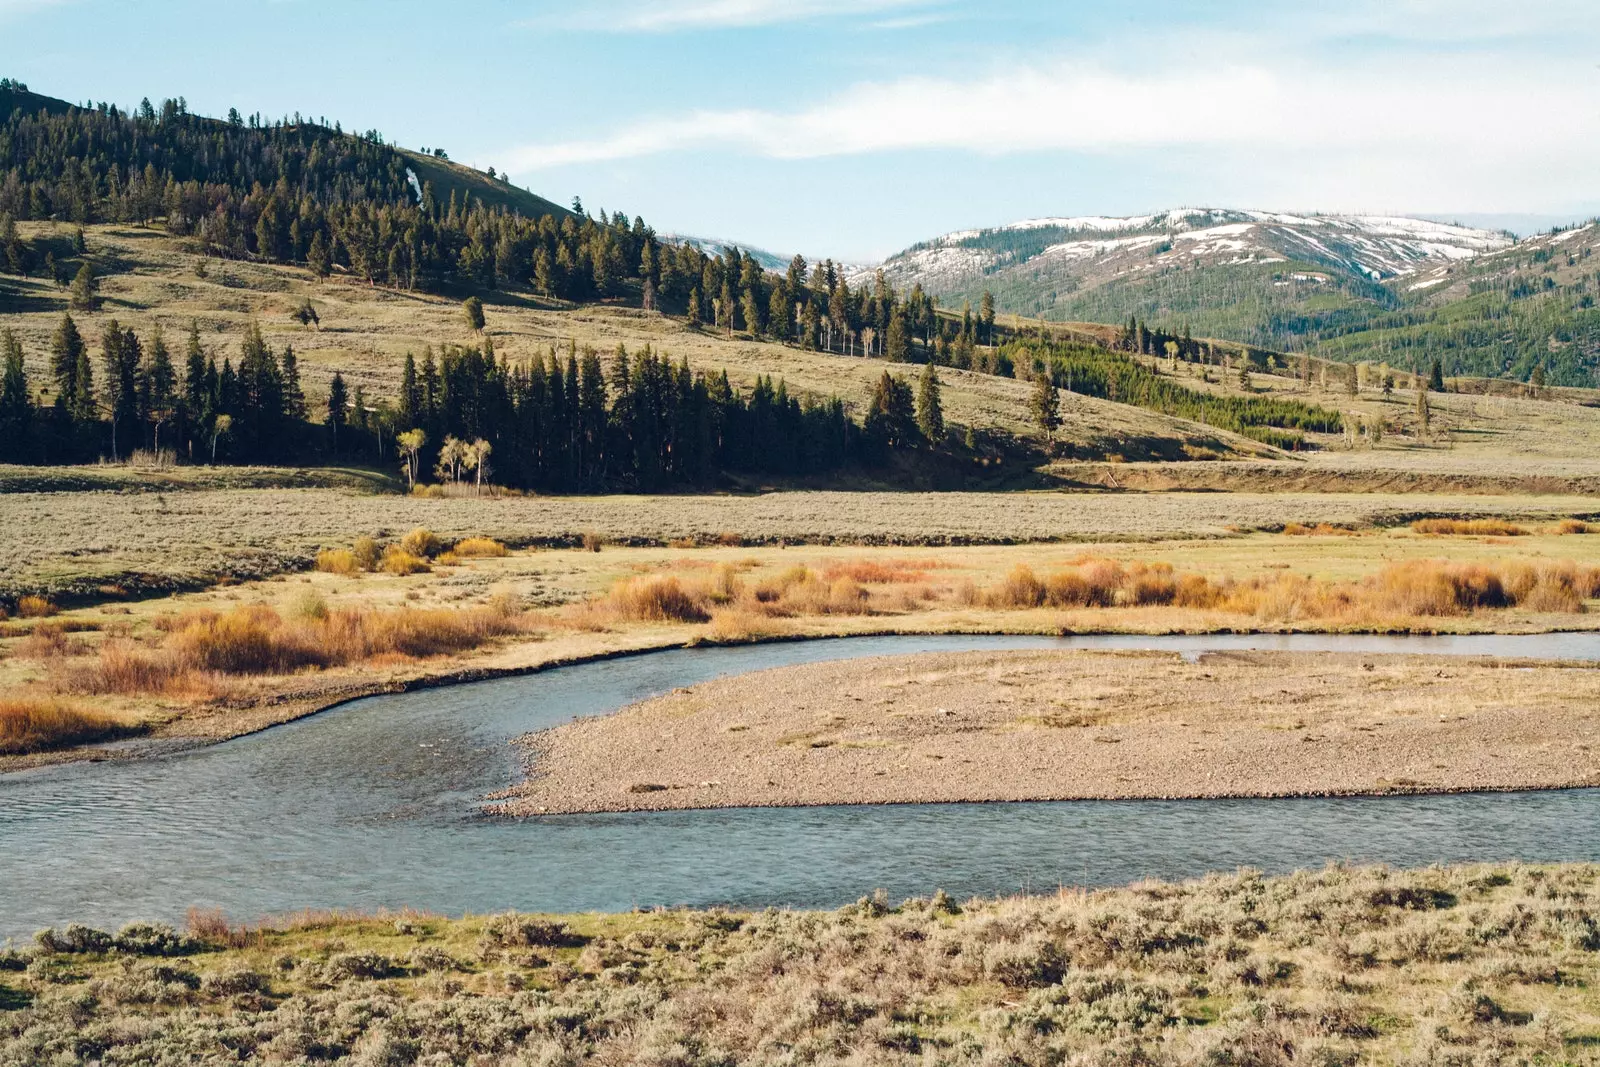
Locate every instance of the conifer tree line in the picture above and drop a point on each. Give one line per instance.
(561, 421)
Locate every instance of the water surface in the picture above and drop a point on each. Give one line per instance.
(376, 804)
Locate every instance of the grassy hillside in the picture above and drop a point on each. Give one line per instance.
(447, 178)
(150, 279)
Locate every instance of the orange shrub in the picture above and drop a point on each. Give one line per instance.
(1468, 527)
(34, 725)
(398, 561)
(479, 548)
(422, 542)
(655, 599)
(35, 607)
(337, 561)
(1572, 526)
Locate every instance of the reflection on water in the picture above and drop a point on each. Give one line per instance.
(374, 805)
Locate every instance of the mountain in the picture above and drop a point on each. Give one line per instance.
(1353, 287)
(714, 246)
(1061, 257)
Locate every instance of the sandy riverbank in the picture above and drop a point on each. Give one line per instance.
(1072, 724)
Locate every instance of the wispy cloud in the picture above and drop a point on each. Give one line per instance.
(668, 16)
(1429, 126)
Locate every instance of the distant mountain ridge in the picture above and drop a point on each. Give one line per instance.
(1087, 249)
(1374, 288)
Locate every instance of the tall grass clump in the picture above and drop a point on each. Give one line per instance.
(478, 548)
(338, 561)
(1573, 526)
(256, 640)
(399, 562)
(422, 542)
(35, 607)
(39, 725)
(1468, 528)
(656, 599)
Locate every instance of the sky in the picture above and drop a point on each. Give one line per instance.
(853, 128)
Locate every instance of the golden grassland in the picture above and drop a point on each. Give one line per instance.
(1075, 724)
(1471, 965)
(236, 657)
(70, 545)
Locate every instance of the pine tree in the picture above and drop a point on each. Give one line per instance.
(158, 388)
(897, 349)
(410, 394)
(65, 349)
(930, 410)
(338, 401)
(1436, 377)
(986, 318)
(1046, 404)
(472, 307)
(694, 309)
(83, 287)
(119, 353)
(317, 256)
(294, 399)
(16, 407)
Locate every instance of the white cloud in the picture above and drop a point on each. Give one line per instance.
(665, 16)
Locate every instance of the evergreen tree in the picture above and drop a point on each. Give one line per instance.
(12, 254)
(694, 309)
(158, 389)
(338, 402)
(1046, 404)
(294, 399)
(318, 257)
(16, 406)
(897, 349)
(472, 307)
(891, 414)
(930, 411)
(83, 287)
(410, 394)
(1436, 377)
(65, 349)
(119, 354)
(986, 318)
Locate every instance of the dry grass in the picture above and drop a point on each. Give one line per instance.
(1469, 528)
(478, 548)
(72, 543)
(35, 607)
(422, 542)
(338, 561)
(38, 725)
(1573, 526)
(397, 561)
(203, 647)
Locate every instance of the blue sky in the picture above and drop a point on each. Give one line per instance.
(852, 128)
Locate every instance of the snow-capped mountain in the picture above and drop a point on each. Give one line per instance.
(1083, 251)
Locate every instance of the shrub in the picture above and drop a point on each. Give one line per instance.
(478, 547)
(35, 607)
(1021, 589)
(359, 966)
(398, 561)
(1468, 527)
(1572, 526)
(41, 725)
(422, 542)
(368, 555)
(308, 604)
(592, 541)
(338, 561)
(655, 599)
(233, 982)
(511, 930)
(75, 939)
(155, 939)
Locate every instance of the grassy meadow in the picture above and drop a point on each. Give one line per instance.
(1342, 966)
(386, 611)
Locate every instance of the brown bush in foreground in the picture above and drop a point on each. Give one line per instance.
(256, 640)
(1469, 527)
(422, 542)
(42, 724)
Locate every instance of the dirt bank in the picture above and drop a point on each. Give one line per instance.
(1070, 724)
